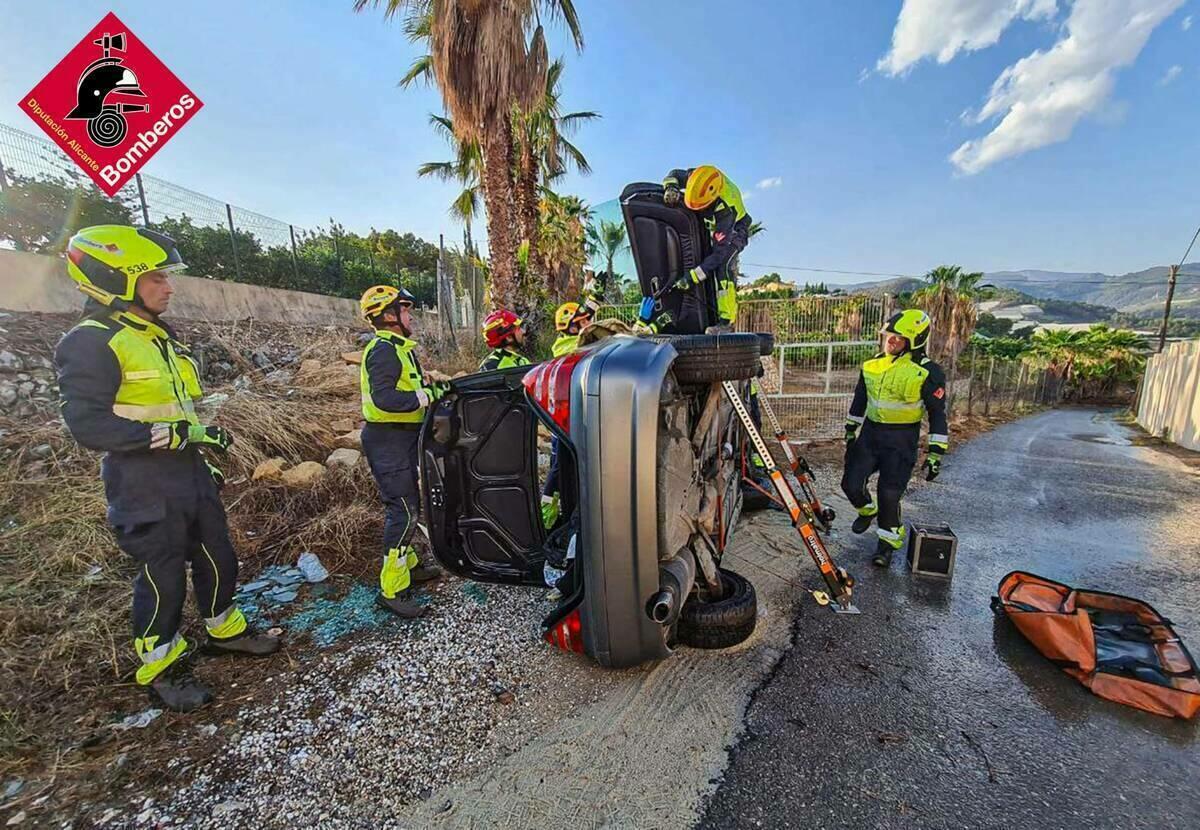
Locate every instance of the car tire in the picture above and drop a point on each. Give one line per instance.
(704, 358)
(723, 623)
(766, 343)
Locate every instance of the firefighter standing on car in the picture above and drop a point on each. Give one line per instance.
(717, 200)
(395, 398)
(896, 389)
(505, 334)
(129, 389)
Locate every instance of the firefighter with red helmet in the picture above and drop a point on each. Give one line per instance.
(505, 334)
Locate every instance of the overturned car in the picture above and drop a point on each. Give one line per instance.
(651, 457)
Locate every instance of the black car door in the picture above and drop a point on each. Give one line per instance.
(479, 482)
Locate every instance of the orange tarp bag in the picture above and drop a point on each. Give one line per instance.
(1119, 647)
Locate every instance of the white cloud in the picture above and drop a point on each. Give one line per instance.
(942, 28)
(1187, 23)
(769, 183)
(1040, 98)
(1170, 75)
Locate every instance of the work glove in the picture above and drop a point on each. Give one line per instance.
(424, 396)
(439, 390)
(693, 277)
(643, 327)
(672, 196)
(932, 465)
(851, 434)
(180, 434)
(592, 305)
(218, 477)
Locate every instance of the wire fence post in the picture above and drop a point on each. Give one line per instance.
(987, 401)
(828, 367)
(237, 267)
(295, 259)
(142, 200)
(3, 178)
(971, 380)
(1021, 387)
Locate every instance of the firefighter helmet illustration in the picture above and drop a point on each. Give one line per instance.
(104, 77)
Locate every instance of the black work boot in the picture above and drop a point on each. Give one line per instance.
(883, 554)
(862, 523)
(424, 573)
(248, 643)
(177, 690)
(400, 605)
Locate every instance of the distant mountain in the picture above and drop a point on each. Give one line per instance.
(1140, 292)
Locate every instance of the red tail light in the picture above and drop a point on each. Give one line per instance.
(567, 633)
(550, 387)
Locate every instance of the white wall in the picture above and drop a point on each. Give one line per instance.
(1169, 406)
(33, 282)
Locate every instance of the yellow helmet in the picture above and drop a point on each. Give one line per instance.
(376, 299)
(703, 187)
(912, 324)
(569, 313)
(107, 260)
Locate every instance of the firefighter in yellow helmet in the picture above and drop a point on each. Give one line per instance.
(896, 389)
(716, 199)
(395, 398)
(569, 320)
(128, 390)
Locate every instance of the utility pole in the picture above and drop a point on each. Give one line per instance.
(1162, 332)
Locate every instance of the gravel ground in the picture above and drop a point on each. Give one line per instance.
(380, 723)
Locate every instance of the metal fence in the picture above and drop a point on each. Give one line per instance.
(820, 341)
(224, 241)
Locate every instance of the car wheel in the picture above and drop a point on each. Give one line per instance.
(766, 343)
(723, 623)
(704, 358)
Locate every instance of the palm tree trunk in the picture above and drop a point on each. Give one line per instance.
(527, 207)
(497, 197)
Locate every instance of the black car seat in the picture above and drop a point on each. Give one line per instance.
(667, 242)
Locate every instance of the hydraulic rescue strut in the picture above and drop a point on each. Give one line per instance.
(824, 516)
(839, 582)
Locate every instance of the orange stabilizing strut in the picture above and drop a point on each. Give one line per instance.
(824, 516)
(839, 582)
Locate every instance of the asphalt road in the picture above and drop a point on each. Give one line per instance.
(928, 712)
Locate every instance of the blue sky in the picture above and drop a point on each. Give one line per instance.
(303, 119)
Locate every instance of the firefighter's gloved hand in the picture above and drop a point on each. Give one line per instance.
(592, 305)
(184, 433)
(423, 397)
(851, 434)
(693, 277)
(642, 327)
(439, 390)
(932, 465)
(672, 196)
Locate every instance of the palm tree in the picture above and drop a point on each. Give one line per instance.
(608, 239)
(564, 247)
(466, 168)
(488, 59)
(544, 154)
(948, 297)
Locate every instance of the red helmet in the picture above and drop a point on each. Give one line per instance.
(499, 326)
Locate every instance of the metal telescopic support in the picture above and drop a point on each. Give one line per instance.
(800, 469)
(838, 581)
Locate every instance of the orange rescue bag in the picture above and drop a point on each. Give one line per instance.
(1119, 647)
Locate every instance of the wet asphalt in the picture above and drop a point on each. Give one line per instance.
(928, 711)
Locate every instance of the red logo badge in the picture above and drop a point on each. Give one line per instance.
(940, 392)
(110, 104)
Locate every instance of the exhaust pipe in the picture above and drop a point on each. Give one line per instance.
(676, 577)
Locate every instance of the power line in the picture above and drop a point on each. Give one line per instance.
(1189, 250)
